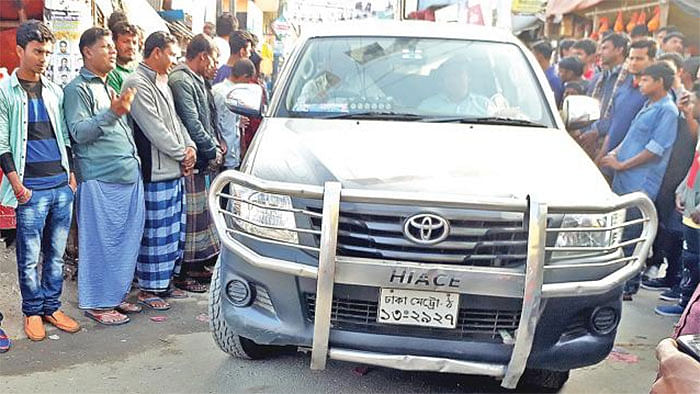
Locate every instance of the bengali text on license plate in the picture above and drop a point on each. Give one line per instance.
(418, 308)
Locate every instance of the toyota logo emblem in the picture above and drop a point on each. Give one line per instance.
(426, 229)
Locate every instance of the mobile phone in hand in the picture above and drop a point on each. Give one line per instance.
(690, 345)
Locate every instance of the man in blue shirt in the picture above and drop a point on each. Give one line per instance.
(543, 53)
(640, 161)
(628, 100)
(613, 51)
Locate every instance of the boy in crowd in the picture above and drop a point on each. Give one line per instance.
(39, 183)
(640, 161)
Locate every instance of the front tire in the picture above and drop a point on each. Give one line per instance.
(224, 335)
(543, 380)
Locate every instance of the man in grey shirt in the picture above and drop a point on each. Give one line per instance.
(167, 154)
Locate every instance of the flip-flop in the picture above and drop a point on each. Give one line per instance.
(174, 293)
(99, 317)
(149, 303)
(191, 285)
(5, 342)
(128, 307)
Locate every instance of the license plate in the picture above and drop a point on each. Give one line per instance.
(418, 308)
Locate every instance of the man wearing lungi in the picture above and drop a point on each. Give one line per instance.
(193, 102)
(167, 154)
(111, 208)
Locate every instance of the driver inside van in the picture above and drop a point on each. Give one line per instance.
(454, 98)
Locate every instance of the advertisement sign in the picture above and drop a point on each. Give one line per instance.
(67, 26)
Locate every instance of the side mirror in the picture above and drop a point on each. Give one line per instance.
(580, 111)
(245, 99)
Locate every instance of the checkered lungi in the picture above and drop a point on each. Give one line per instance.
(201, 242)
(163, 239)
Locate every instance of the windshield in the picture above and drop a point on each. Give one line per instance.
(412, 77)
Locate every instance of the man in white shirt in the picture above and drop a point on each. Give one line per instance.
(243, 71)
(225, 25)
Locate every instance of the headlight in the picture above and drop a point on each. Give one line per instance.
(255, 217)
(594, 239)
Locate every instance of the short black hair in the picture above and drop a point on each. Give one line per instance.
(675, 58)
(647, 43)
(691, 65)
(158, 39)
(619, 41)
(116, 17)
(640, 31)
(662, 71)
(226, 24)
(577, 86)
(673, 35)
(544, 48)
(33, 30)
(238, 40)
(123, 28)
(565, 44)
(572, 63)
(90, 37)
(199, 43)
(589, 46)
(667, 29)
(243, 68)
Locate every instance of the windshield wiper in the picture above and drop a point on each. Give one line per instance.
(383, 115)
(497, 120)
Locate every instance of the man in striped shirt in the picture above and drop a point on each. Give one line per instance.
(35, 156)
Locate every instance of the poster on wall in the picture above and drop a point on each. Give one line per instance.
(67, 22)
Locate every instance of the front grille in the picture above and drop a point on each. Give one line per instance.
(477, 237)
(474, 324)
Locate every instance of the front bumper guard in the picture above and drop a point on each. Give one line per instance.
(334, 269)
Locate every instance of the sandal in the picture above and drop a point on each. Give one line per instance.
(200, 275)
(151, 303)
(128, 307)
(108, 318)
(174, 293)
(191, 285)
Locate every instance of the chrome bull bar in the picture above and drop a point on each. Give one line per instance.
(333, 269)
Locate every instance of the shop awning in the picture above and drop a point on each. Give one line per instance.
(561, 7)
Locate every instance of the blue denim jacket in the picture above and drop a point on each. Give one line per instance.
(654, 128)
(103, 143)
(14, 115)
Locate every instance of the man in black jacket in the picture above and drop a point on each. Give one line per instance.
(193, 105)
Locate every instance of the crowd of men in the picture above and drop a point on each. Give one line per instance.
(129, 146)
(645, 139)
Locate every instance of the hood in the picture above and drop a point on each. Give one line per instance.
(476, 160)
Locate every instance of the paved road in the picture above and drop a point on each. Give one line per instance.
(178, 355)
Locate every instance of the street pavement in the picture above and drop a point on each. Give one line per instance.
(178, 355)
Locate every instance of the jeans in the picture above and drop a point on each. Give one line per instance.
(691, 264)
(42, 227)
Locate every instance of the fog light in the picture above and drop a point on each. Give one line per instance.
(604, 320)
(239, 292)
